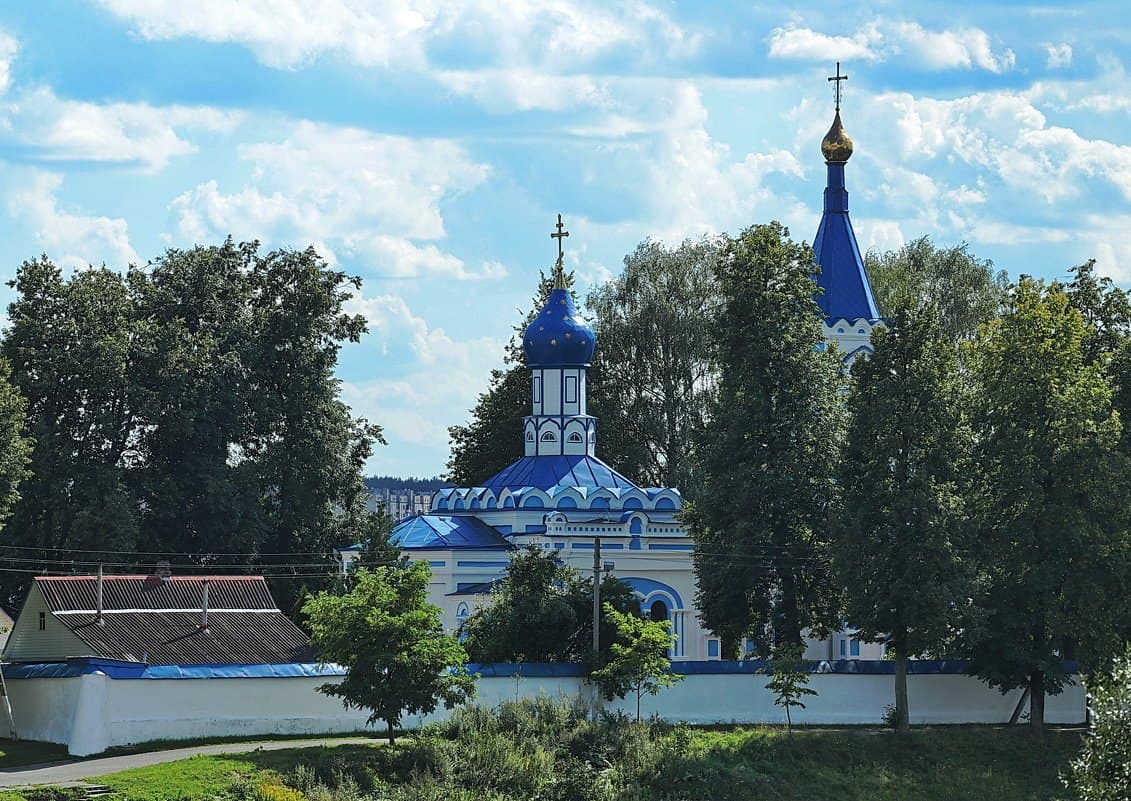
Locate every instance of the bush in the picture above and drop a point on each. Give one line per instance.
(1103, 770)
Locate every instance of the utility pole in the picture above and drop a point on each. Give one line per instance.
(596, 595)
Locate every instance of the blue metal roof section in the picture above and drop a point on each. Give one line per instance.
(441, 532)
(846, 291)
(553, 474)
(559, 336)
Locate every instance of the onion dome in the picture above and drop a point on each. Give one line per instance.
(558, 336)
(836, 146)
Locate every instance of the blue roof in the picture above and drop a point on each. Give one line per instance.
(559, 336)
(846, 290)
(445, 531)
(548, 473)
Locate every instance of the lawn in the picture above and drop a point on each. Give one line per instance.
(15, 753)
(566, 761)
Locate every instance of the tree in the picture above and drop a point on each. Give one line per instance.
(654, 335)
(638, 657)
(771, 449)
(189, 408)
(1106, 310)
(966, 290)
(1050, 497)
(15, 448)
(788, 679)
(898, 530)
(391, 641)
(542, 611)
(1102, 772)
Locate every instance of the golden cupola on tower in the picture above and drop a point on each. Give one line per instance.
(836, 146)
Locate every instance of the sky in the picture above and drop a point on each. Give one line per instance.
(427, 146)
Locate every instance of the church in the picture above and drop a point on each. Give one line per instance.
(561, 496)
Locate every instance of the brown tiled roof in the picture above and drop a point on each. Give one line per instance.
(158, 622)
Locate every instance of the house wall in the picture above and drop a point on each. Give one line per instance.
(27, 643)
(93, 712)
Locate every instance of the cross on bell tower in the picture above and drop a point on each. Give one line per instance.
(559, 277)
(836, 79)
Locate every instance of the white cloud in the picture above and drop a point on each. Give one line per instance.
(793, 42)
(349, 191)
(116, 133)
(291, 33)
(1059, 55)
(881, 40)
(415, 404)
(71, 239)
(9, 48)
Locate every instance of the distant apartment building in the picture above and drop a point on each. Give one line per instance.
(401, 503)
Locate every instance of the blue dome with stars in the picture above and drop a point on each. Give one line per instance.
(559, 336)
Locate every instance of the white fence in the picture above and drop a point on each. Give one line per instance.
(92, 711)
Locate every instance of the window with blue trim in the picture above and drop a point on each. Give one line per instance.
(844, 647)
(712, 647)
(854, 647)
(571, 389)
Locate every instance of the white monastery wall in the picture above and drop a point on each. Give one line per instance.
(94, 712)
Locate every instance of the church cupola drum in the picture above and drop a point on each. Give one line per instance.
(846, 297)
(559, 345)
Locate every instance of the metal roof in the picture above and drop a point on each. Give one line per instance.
(846, 290)
(549, 472)
(446, 531)
(146, 619)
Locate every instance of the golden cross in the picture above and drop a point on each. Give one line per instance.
(558, 236)
(838, 78)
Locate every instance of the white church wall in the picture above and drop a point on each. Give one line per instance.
(94, 712)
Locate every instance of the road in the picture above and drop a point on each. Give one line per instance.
(71, 773)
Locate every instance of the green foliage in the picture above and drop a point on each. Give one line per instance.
(392, 642)
(638, 659)
(966, 290)
(1050, 497)
(15, 448)
(789, 679)
(771, 448)
(542, 611)
(549, 750)
(652, 365)
(1102, 772)
(899, 528)
(188, 408)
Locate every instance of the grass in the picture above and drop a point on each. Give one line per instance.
(943, 764)
(16, 753)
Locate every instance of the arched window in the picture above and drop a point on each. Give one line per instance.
(529, 436)
(575, 437)
(658, 611)
(548, 437)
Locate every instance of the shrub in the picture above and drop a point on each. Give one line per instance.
(1103, 770)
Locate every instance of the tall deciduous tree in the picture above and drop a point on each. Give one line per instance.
(898, 534)
(190, 408)
(542, 611)
(967, 290)
(392, 642)
(653, 359)
(772, 444)
(15, 448)
(638, 658)
(1051, 504)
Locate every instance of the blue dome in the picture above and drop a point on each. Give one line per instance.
(558, 335)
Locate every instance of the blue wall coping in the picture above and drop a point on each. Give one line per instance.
(117, 669)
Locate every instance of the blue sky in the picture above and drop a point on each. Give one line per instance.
(426, 145)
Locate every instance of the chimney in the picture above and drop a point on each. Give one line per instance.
(204, 609)
(98, 613)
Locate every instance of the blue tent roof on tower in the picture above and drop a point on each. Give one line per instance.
(549, 472)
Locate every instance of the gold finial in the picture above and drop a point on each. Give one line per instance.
(559, 275)
(836, 146)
